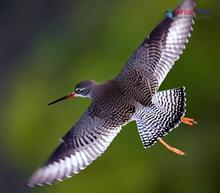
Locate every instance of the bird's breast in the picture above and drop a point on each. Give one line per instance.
(115, 109)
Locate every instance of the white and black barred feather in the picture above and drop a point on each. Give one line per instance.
(164, 114)
(87, 140)
(158, 52)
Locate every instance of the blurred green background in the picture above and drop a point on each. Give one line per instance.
(46, 47)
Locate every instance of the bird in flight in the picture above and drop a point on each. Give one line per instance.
(131, 96)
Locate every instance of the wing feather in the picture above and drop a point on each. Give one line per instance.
(159, 51)
(87, 140)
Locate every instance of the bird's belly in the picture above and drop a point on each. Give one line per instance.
(119, 115)
(114, 113)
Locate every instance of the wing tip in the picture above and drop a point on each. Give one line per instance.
(34, 179)
(187, 4)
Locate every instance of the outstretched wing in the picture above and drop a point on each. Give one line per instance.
(87, 140)
(156, 55)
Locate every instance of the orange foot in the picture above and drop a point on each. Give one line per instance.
(173, 149)
(188, 121)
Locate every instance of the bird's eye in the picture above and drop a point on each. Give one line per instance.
(78, 90)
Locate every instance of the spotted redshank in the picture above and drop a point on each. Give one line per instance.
(131, 96)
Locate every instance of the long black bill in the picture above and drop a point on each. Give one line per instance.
(71, 95)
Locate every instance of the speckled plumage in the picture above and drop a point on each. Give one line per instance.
(131, 96)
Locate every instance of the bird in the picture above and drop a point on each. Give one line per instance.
(130, 96)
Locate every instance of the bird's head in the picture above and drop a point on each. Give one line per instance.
(82, 89)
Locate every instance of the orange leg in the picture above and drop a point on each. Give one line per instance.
(188, 121)
(173, 149)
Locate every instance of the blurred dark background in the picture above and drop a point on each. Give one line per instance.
(47, 46)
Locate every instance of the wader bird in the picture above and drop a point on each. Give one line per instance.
(131, 96)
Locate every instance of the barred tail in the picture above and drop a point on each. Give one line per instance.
(164, 115)
(173, 102)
